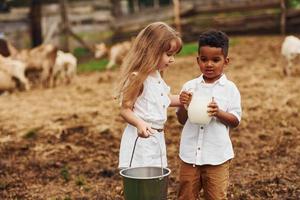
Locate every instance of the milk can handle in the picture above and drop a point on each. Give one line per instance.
(162, 169)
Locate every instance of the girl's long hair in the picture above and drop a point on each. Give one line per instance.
(143, 58)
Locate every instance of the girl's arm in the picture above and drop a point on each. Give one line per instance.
(174, 100)
(144, 130)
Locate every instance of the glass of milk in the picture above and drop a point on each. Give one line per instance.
(197, 110)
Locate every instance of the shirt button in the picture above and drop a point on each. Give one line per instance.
(164, 106)
(199, 148)
(158, 82)
(201, 127)
(161, 94)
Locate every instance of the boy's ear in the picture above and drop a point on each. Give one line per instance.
(227, 59)
(198, 59)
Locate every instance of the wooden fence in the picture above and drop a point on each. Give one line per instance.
(232, 16)
(95, 17)
(84, 17)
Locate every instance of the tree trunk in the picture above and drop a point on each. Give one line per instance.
(35, 16)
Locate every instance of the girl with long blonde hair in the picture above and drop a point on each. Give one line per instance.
(145, 96)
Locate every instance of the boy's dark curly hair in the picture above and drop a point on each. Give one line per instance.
(214, 38)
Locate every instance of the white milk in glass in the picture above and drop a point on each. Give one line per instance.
(197, 110)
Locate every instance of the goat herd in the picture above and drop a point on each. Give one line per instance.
(47, 66)
(43, 65)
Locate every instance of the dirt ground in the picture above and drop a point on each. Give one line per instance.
(63, 143)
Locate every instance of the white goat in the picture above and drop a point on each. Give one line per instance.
(6, 82)
(64, 69)
(115, 54)
(290, 49)
(41, 58)
(16, 69)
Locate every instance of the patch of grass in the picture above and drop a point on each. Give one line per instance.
(80, 52)
(80, 180)
(192, 48)
(64, 172)
(233, 42)
(67, 198)
(87, 189)
(189, 49)
(99, 65)
(3, 185)
(31, 134)
(60, 198)
(93, 65)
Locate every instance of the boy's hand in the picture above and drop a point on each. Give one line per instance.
(185, 97)
(144, 130)
(213, 108)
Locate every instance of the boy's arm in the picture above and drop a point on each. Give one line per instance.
(181, 115)
(185, 99)
(225, 117)
(232, 117)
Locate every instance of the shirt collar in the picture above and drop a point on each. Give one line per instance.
(155, 75)
(222, 80)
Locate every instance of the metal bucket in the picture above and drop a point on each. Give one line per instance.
(145, 183)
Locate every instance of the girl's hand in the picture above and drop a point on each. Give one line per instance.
(185, 97)
(213, 108)
(144, 130)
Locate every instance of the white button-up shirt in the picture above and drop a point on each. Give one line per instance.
(151, 106)
(210, 144)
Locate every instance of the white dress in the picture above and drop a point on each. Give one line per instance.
(151, 106)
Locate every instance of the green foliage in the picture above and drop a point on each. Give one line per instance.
(92, 65)
(31, 134)
(64, 172)
(294, 3)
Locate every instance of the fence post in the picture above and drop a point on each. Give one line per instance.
(65, 24)
(176, 4)
(156, 3)
(35, 22)
(136, 6)
(116, 8)
(283, 17)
